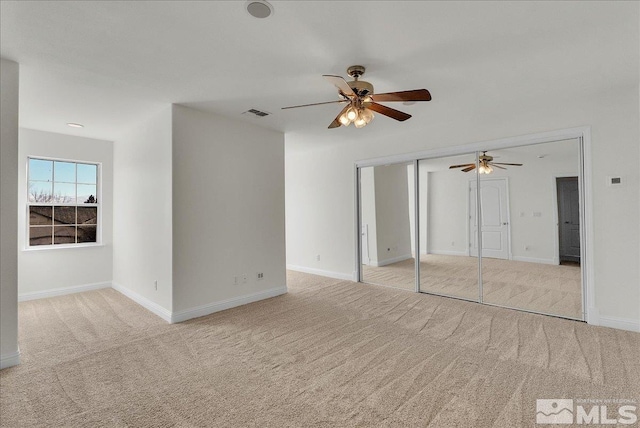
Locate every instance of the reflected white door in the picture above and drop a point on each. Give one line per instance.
(494, 218)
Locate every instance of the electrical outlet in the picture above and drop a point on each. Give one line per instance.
(260, 276)
(155, 284)
(318, 258)
(235, 280)
(244, 278)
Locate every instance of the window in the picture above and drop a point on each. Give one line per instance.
(62, 202)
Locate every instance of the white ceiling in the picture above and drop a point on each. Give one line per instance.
(106, 64)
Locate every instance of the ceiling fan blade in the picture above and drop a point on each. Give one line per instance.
(512, 164)
(415, 95)
(315, 104)
(341, 84)
(462, 166)
(387, 111)
(336, 122)
(496, 166)
(471, 168)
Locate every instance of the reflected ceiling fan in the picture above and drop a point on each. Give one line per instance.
(485, 164)
(361, 101)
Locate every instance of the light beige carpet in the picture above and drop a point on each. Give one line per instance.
(536, 287)
(328, 354)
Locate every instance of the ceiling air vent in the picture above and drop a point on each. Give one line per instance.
(257, 112)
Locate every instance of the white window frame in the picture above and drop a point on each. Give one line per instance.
(98, 205)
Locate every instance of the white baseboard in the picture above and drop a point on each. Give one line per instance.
(54, 292)
(10, 360)
(144, 302)
(449, 253)
(620, 323)
(327, 273)
(211, 308)
(391, 261)
(534, 260)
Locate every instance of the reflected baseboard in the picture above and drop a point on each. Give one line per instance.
(385, 262)
(448, 253)
(535, 260)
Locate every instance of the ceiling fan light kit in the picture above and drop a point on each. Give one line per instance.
(485, 168)
(485, 164)
(362, 101)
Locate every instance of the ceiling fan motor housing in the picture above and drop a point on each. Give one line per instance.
(361, 87)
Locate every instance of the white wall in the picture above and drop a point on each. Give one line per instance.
(142, 211)
(392, 214)
(447, 198)
(387, 212)
(42, 270)
(9, 88)
(228, 211)
(320, 182)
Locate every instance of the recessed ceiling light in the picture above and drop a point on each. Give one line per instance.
(75, 125)
(259, 8)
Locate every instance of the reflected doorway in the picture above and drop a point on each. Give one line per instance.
(494, 195)
(568, 220)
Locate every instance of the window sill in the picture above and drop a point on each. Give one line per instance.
(62, 246)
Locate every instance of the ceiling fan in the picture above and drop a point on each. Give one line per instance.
(485, 164)
(361, 101)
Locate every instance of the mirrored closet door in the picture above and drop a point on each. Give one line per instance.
(500, 227)
(387, 225)
(530, 221)
(447, 266)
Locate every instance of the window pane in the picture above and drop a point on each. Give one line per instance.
(40, 235)
(64, 215)
(64, 171)
(87, 173)
(87, 215)
(64, 193)
(40, 191)
(64, 235)
(86, 234)
(40, 170)
(40, 216)
(87, 194)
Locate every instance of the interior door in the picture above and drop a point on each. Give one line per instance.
(569, 218)
(494, 208)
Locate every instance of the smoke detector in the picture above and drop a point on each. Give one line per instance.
(259, 8)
